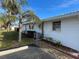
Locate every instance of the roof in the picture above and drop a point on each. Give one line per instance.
(62, 16)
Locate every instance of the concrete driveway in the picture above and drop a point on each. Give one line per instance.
(30, 53)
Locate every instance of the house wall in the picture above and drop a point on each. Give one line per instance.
(36, 28)
(48, 31)
(69, 34)
(23, 28)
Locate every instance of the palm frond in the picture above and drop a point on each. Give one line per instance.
(31, 16)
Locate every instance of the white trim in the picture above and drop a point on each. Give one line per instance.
(13, 50)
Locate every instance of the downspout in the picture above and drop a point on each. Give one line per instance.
(42, 29)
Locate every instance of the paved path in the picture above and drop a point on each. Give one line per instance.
(31, 53)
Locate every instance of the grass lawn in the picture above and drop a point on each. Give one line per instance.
(10, 40)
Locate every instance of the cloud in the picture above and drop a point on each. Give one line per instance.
(69, 3)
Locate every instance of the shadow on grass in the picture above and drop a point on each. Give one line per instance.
(10, 40)
(11, 35)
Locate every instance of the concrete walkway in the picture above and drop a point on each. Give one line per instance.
(30, 53)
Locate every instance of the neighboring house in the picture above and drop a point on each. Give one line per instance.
(64, 28)
(31, 26)
(30, 22)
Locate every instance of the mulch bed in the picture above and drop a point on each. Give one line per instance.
(62, 49)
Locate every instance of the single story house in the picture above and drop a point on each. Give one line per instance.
(64, 28)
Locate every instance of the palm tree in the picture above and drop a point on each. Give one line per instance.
(31, 16)
(10, 18)
(14, 7)
(6, 20)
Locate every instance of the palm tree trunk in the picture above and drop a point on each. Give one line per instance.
(20, 30)
(20, 33)
(8, 27)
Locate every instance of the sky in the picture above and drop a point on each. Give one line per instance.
(50, 8)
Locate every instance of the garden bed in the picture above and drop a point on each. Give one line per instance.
(63, 49)
(61, 46)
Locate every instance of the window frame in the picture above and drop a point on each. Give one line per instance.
(56, 26)
(31, 26)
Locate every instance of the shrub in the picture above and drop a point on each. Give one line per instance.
(58, 43)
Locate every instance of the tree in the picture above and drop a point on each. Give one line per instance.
(14, 7)
(6, 20)
(31, 16)
(10, 18)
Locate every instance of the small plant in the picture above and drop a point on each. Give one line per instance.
(49, 39)
(58, 44)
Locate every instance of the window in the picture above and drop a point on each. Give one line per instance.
(31, 26)
(40, 25)
(57, 26)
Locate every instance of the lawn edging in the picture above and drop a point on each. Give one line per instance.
(2, 53)
(4, 49)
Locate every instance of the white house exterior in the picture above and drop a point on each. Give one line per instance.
(30, 23)
(66, 30)
(68, 33)
(31, 26)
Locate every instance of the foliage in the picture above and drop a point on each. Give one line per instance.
(7, 19)
(13, 6)
(58, 44)
(29, 14)
(10, 40)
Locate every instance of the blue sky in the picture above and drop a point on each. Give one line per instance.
(50, 8)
